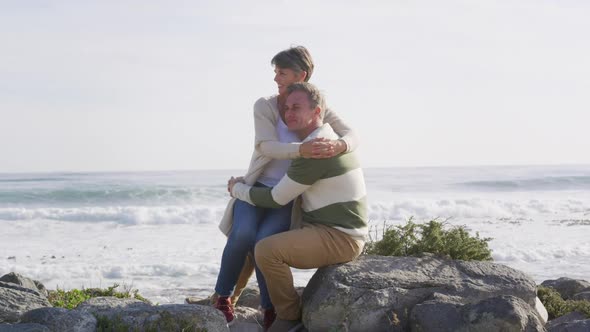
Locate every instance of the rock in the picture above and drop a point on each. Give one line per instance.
(377, 293)
(573, 326)
(60, 319)
(250, 298)
(16, 300)
(541, 311)
(20, 280)
(246, 327)
(248, 315)
(106, 305)
(437, 315)
(136, 315)
(24, 328)
(583, 296)
(567, 287)
(503, 313)
(572, 316)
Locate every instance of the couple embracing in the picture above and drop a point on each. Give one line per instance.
(302, 202)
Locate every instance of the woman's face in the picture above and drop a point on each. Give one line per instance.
(285, 77)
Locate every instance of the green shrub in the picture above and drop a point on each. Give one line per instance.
(556, 306)
(414, 239)
(72, 298)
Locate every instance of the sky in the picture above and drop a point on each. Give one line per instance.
(169, 85)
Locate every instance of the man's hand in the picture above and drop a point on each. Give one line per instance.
(232, 181)
(319, 148)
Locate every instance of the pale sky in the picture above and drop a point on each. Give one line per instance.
(169, 85)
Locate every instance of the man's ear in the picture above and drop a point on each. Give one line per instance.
(317, 111)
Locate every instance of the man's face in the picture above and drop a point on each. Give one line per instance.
(299, 114)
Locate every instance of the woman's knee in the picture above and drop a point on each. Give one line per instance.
(242, 237)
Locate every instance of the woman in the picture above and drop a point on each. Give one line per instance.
(275, 146)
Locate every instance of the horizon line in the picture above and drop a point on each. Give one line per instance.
(243, 169)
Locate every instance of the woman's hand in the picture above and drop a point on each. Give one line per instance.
(232, 181)
(319, 148)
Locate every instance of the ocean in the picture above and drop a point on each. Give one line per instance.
(157, 231)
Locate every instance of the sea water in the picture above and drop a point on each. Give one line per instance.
(157, 231)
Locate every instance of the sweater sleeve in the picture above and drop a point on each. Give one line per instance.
(266, 138)
(301, 175)
(346, 133)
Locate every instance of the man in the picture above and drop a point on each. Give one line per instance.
(333, 209)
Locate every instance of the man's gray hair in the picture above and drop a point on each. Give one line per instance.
(314, 95)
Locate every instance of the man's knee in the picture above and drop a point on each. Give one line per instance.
(262, 250)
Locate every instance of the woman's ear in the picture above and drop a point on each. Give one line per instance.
(303, 76)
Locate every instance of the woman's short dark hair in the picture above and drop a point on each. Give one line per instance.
(296, 58)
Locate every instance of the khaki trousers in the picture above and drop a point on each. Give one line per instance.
(312, 246)
(245, 275)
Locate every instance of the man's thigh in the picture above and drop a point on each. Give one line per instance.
(310, 247)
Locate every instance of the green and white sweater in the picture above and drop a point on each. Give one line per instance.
(333, 190)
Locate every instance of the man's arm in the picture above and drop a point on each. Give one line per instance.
(301, 175)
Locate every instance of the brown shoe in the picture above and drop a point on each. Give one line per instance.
(282, 325)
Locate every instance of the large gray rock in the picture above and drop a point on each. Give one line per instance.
(567, 318)
(16, 300)
(503, 313)
(567, 287)
(62, 320)
(109, 305)
(573, 326)
(376, 293)
(29, 327)
(134, 314)
(583, 296)
(23, 281)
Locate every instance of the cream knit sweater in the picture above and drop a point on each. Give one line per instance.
(267, 147)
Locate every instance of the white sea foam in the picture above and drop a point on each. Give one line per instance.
(126, 215)
(158, 231)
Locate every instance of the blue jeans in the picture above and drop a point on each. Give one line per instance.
(250, 225)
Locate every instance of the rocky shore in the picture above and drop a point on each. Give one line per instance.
(373, 293)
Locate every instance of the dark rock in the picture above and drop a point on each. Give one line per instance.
(134, 314)
(24, 328)
(16, 300)
(583, 296)
(503, 313)
(376, 293)
(573, 326)
(60, 319)
(572, 316)
(436, 316)
(23, 281)
(567, 287)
